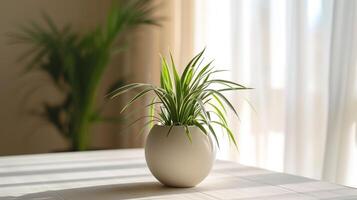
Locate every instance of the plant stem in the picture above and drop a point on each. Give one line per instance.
(82, 123)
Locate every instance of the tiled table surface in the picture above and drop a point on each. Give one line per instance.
(122, 174)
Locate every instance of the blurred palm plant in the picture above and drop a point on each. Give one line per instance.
(76, 63)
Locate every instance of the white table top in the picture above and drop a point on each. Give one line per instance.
(122, 174)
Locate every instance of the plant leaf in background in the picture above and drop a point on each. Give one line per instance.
(187, 100)
(76, 63)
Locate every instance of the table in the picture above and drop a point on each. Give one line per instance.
(122, 174)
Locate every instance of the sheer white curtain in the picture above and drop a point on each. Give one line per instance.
(300, 56)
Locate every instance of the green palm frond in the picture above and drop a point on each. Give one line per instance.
(76, 62)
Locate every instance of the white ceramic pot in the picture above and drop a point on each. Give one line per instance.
(174, 160)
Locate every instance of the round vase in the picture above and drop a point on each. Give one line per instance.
(176, 161)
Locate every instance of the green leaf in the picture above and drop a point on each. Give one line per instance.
(136, 97)
(219, 113)
(166, 82)
(187, 131)
(152, 110)
(231, 135)
(221, 96)
(169, 131)
(200, 127)
(226, 81)
(126, 88)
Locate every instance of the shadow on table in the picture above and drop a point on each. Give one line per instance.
(117, 191)
(153, 189)
(71, 170)
(147, 188)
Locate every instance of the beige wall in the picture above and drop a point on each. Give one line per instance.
(21, 132)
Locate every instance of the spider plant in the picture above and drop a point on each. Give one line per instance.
(195, 98)
(76, 63)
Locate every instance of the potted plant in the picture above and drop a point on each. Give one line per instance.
(184, 112)
(76, 62)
